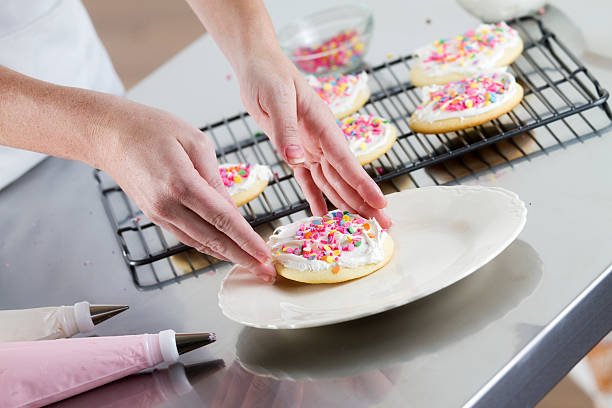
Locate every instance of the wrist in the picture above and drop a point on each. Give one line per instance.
(104, 130)
(270, 59)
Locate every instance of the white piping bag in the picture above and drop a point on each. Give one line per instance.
(48, 323)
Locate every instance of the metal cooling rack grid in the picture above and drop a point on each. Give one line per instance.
(557, 111)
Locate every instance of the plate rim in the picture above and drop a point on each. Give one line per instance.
(325, 322)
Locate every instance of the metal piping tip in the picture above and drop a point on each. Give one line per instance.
(190, 341)
(100, 313)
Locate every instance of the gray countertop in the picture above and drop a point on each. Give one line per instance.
(473, 341)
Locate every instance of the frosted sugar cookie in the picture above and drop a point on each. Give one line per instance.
(244, 181)
(451, 59)
(466, 103)
(369, 137)
(344, 94)
(334, 248)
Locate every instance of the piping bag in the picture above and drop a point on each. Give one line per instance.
(145, 390)
(46, 323)
(150, 389)
(37, 373)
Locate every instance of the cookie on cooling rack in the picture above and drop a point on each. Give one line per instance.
(466, 103)
(244, 181)
(334, 248)
(368, 136)
(344, 94)
(451, 59)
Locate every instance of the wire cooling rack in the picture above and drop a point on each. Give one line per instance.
(563, 104)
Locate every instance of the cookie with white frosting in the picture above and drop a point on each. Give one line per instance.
(451, 59)
(334, 248)
(244, 181)
(344, 94)
(368, 136)
(466, 103)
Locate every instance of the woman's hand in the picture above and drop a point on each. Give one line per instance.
(165, 165)
(169, 168)
(306, 135)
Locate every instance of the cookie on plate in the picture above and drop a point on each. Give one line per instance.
(244, 181)
(451, 59)
(369, 137)
(334, 248)
(466, 103)
(344, 94)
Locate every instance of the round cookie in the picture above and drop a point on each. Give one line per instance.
(344, 94)
(369, 137)
(466, 103)
(487, 47)
(244, 182)
(334, 248)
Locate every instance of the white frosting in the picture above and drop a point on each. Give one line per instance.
(343, 103)
(428, 114)
(369, 252)
(257, 172)
(483, 61)
(377, 140)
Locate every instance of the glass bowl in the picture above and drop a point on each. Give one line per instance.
(330, 41)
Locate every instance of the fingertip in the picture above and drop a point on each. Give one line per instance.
(384, 220)
(264, 254)
(377, 198)
(266, 272)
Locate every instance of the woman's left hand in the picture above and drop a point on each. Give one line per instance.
(307, 136)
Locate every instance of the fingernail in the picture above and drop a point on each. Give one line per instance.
(266, 278)
(294, 154)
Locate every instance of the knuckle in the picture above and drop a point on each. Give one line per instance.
(290, 128)
(221, 221)
(180, 189)
(364, 209)
(160, 209)
(216, 245)
(202, 248)
(361, 186)
(205, 141)
(216, 183)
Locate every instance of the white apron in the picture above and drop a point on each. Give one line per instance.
(51, 40)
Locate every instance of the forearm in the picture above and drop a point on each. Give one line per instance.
(241, 28)
(56, 120)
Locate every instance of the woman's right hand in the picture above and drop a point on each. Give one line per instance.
(169, 168)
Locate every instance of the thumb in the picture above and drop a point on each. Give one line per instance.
(283, 114)
(201, 152)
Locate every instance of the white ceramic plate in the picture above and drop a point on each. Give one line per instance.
(441, 235)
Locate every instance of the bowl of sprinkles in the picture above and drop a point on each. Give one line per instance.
(329, 41)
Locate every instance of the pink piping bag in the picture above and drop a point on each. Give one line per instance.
(37, 373)
(140, 390)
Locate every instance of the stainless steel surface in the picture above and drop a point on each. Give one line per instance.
(503, 334)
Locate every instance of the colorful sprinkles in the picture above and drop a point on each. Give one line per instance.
(234, 174)
(339, 51)
(465, 49)
(327, 238)
(334, 87)
(362, 128)
(476, 92)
